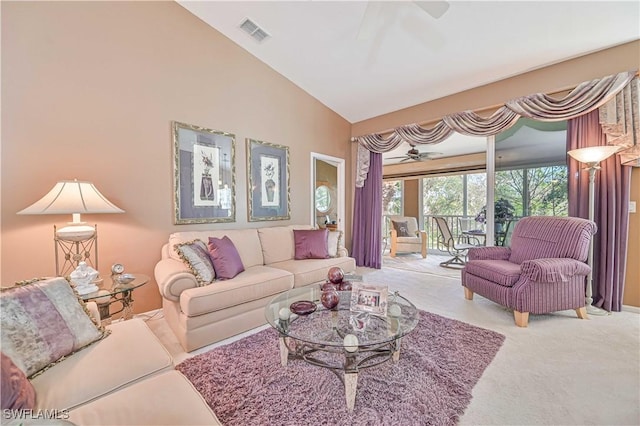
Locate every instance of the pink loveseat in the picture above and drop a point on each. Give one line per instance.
(543, 271)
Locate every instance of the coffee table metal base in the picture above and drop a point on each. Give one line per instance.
(362, 357)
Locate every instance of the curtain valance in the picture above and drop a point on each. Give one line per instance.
(584, 98)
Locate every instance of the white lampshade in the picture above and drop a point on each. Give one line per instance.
(73, 197)
(593, 154)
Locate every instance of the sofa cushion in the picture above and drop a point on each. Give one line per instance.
(196, 255)
(246, 241)
(502, 272)
(131, 353)
(311, 244)
(16, 391)
(252, 284)
(44, 321)
(277, 242)
(401, 228)
(311, 271)
(225, 257)
(334, 242)
(165, 399)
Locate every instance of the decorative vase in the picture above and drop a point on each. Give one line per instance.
(330, 299)
(270, 186)
(335, 275)
(206, 187)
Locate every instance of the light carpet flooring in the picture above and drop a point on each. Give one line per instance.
(559, 371)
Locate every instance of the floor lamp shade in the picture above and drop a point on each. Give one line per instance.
(594, 154)
(73, 197)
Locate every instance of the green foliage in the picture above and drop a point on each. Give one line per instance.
(391, 197)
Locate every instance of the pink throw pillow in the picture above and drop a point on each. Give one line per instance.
(17, 392)
(311, 244)
(225, 258)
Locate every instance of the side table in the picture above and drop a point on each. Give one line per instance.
(111, 291)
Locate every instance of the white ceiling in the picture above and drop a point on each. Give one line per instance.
(412, 58)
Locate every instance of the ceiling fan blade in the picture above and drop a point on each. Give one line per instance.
(395, 158)
(433, 8)
(369, 20)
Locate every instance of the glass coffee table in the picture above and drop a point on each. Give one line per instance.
(341, 340)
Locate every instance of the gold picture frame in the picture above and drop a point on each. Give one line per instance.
(204, 175)
(268, 181)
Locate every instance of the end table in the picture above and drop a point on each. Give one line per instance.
(112, 291)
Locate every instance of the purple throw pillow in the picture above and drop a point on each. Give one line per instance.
(17, 392)
(311, 244)
(225, 258)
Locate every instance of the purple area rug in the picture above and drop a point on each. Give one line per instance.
(440, 362)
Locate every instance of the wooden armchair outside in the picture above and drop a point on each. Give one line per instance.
(413, 241)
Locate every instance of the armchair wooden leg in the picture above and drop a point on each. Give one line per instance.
(582, 313)
(394, 243)
(468, 294)
(522, 318)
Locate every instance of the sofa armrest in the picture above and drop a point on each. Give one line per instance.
(489, 253)
(342, 252)
(553, 270)
(173, 277)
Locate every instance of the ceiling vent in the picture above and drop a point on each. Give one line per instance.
(251, 28)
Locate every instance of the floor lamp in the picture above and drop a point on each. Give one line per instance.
(592, 156)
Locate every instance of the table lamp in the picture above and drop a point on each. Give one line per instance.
(73, 197)
(592, 156)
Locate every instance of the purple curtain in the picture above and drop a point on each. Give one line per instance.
(367, 217)
(612, 186)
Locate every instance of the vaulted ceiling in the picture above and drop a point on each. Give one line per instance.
(364, 59)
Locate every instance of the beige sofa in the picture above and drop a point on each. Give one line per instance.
(127, 378)
(203, 315)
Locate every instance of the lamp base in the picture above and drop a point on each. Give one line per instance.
(598, 312)
(75, 232)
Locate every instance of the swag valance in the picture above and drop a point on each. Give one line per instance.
(586, 97)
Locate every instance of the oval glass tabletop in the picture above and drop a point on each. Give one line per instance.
(113, 287)
(329, 327)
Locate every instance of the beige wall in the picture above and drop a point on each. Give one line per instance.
(411, 199)
(89, 91)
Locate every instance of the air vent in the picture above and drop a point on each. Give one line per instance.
(251, 28)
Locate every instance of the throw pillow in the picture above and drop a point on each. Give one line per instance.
(196, 255)
(311, 244)
(225, 258)
(334, 243)
(401, 228)
(17, 392)
(43, 321)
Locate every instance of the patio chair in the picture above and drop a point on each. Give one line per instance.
(543, 271)
(406, 237)
(452, 245)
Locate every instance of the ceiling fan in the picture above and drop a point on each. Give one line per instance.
(371, 18)
(415, 155)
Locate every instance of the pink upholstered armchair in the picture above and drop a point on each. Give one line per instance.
(543, 271)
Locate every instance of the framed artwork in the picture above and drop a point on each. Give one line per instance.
(369, 298)
(204, 175)
(268, 178)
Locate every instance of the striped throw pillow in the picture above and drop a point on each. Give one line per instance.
(43, 321)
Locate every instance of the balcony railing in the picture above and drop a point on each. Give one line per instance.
(430, 226)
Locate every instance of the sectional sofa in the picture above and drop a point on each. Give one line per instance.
(125, 377)
(203, 314)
